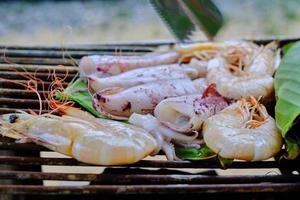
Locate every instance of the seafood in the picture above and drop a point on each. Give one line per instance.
(203, 51)
(93, 141)
(261, 60)
(142, 76)
(165, 137)
(187, 113)
(244, 69)
(112, 65)
(237, 84)
(244, 130)
(120, 103)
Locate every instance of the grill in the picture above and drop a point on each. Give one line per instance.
(22, 171)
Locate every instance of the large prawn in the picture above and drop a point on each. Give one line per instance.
(81, 136)
(243, 71)
(244, 130)
(120, 103)
(187, 113)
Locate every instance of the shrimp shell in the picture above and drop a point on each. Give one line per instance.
(229, 134)
(238, 85)
(102, 143)
(120, 103)
(112, 65)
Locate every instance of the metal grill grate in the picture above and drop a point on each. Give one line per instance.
(21, 163)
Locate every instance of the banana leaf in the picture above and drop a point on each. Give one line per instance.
(192, 153)
(287, 109)
(77, 91)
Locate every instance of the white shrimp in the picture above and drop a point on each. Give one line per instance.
(260, 60)
(237, 84)
(244, 130)
(187, 113)
(143, 75)
(92, 141)
(244, 69)
(120, 103)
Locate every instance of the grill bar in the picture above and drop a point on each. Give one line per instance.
(17, 93)
(120, 179)
(16, 160)
(39, 61)
(38, 68)
(14, 84)
(38, 75)
(151, 189)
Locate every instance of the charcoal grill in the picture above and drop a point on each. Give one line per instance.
(21, 173)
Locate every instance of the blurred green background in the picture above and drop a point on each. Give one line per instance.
(105, 21)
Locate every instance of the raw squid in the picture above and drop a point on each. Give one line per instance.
(187, 113)
(141, 76)
(244, 130)
(120, 103)
(112, 65)
(163, 135)
(102, 142)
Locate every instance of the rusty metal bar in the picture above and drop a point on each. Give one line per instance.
(151, 189)
(67, 53)
(26, 75)
(14, 110)
(21, 146)
(17, 103)
(120, 179)
(15, 160)
(18, 93)
(136, 47)
(40, 61)
(6, 84)
(38, 68)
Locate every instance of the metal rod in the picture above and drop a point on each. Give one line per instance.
(120, 179)
(15, 160)
(151, 189)
(6, 84)
(68, 53)
(18, 93)
(26, 75)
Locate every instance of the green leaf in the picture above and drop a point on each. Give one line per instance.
(286, 47)
(287, 109)
(78, 92)
(225, 162)
(192, 153)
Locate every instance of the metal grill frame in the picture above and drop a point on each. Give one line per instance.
(20, 164)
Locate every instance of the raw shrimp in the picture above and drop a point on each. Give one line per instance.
(112, 65)
(102, 142)
(237, 84)
(120, 103)
(244, 69)
(244, 130)
(187, 113)
(261, 60)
